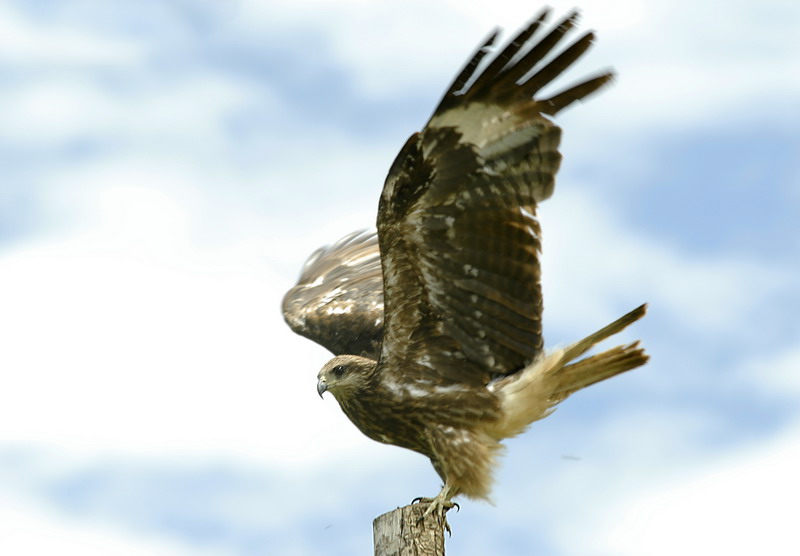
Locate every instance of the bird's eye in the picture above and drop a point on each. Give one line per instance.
(338, 370)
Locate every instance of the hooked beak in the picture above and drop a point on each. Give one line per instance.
(322, 386)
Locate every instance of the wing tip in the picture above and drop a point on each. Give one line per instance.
(504, 80)
(580, 92)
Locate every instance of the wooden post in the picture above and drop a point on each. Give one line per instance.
(401, 533)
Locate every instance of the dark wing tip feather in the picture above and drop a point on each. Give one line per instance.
(469, 69)
(559, 101)
(501, 61)
(557, 65)
(512, 75)
(538, 51)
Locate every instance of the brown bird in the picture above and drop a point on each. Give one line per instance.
(437, 325)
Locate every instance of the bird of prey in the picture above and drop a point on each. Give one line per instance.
(436, 322)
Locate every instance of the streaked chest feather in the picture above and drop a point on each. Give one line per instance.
(410, 414)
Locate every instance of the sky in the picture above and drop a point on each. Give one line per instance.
(166, 166)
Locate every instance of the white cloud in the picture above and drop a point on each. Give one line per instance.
(52, 108)
(648, 479)
(28, 531)
(108, 351)
(374, 40)
(742, 504)
(132, 339)
(593, 263)
(47, 43)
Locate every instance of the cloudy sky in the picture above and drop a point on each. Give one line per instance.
(167, 165)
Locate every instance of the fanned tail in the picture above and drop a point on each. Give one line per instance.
(571, 377)
(533, 393)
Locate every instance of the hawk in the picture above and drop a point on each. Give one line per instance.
(436, 321)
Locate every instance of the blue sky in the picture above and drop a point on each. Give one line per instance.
(166, 167)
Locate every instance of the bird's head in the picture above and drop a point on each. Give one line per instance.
(344, 375)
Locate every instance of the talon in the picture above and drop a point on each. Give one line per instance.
(439, 506)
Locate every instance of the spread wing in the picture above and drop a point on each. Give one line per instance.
(338, 300)
(457, 217)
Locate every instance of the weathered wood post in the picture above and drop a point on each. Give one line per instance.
(401, 533)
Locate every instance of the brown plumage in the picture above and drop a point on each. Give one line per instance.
(338, 300)
(461, 364)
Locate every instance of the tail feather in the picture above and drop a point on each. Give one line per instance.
(596, 368)
(533, 393)
(571, 377)
(582, 346)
